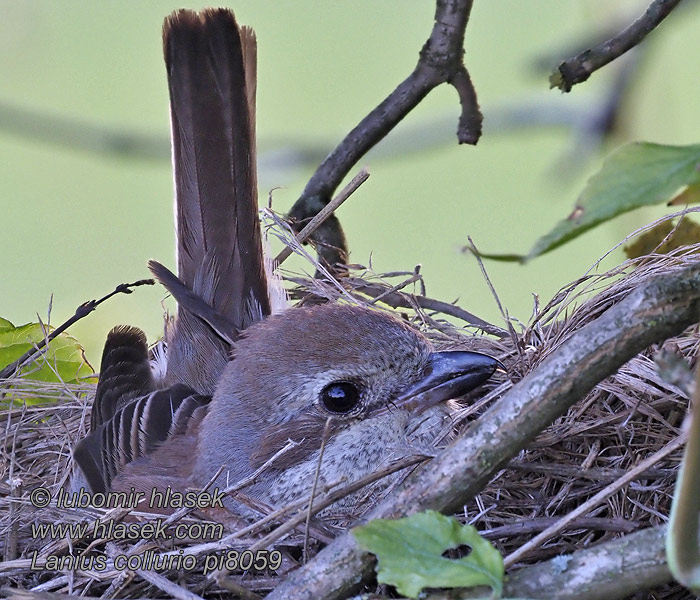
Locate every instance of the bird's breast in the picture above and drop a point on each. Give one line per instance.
(349, 455)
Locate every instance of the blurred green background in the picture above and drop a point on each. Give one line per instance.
(76, 222)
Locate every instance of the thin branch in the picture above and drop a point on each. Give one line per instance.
(401, 300)
(469, 127)
(15, 508)
(658, 308)
(79, 134)
(314, 487)
(82, 311)
(531, 526)
(236, 588)
(22, 594)
(578, 69)
(599, 474)
(162, 583)
(440, 62)
(491, 287)
(324, 214)
(399, 286)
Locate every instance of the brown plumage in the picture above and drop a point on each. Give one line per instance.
(211, 66)
(273, 378)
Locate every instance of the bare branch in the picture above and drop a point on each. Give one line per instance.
(79, 134)
(578, 69)
(440, 62)
(396, 299)
(469, 129)
(82, 311)
(324, 214)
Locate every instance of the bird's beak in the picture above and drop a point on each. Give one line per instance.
(448, 375)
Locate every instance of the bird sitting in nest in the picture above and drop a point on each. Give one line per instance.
(240, 382)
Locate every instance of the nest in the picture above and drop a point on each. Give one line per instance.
(625, 418)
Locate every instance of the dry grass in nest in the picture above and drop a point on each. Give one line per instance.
(624, 419)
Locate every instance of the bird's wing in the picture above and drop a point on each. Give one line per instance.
(211, 65)
(130, 418)
(125, 373)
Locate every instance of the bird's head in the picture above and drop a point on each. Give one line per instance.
(363, 371)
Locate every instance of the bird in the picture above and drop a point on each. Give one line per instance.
(346, 383)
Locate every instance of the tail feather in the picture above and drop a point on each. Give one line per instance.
(221, 286)
(211, 75)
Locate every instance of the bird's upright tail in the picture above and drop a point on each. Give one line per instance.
(221, 286)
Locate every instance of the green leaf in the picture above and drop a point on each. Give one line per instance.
(409, 553)
(63, 361)
(635, 175)
(5, 325)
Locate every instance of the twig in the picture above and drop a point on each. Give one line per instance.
(324, 213)
(400, 300)
(486, 277)
(236, 588)
(60, 546)
(246, 481)
(285, 233)
(82, 311)
(158, 581)
(440, 62)
(176, 516)
(250, 479)
(11, 535)
(399, 286)
(563, 493)
(578, 69)
(260, 523)
(317, 475)
(323, 532)
(529, 526)
(657, 308)
(568, 472)
(34, 594)
(80, 134)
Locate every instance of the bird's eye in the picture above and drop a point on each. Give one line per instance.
(340, 396)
